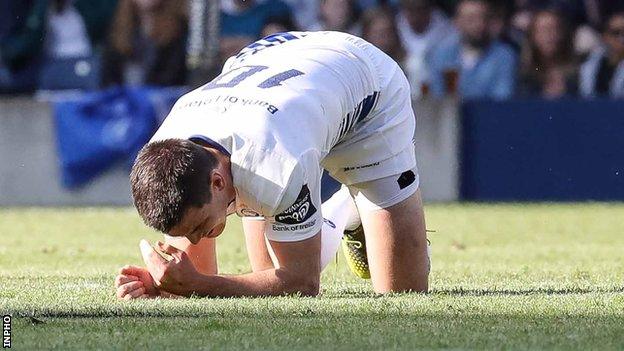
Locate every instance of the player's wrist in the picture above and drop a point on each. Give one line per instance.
(193, 285)
(200, 285)
(167, 295)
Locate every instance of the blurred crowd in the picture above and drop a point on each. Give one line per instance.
(468, 48)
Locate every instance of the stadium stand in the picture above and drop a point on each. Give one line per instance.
(551, 65)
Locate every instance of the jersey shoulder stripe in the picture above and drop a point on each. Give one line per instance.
(267, 42)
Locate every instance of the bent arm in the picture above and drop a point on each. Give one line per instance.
(256, 244)
(272, 282)
(298, 272)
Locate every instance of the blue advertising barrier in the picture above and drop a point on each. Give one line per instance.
(564, 150)
(100, 129)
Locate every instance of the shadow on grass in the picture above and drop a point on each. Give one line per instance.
(433, 331)
(332, 303)
(527, 292)
(360, 294)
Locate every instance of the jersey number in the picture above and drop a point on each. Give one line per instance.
(236, 77)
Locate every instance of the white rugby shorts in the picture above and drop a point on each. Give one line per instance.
(377, 160)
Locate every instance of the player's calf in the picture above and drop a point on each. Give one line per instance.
(397, 246)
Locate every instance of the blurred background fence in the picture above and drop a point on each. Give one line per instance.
(517, 150)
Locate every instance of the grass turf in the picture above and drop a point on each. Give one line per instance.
(504, 277)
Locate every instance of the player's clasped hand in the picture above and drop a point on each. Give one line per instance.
(174, 275)
(135, 282)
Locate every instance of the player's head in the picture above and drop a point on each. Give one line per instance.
(181, 188)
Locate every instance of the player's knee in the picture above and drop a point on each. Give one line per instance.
(416, 289)
(421, 284)
(309, 287)
(299, 283)
(413, 282)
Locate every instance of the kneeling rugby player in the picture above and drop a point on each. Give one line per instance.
(255, 141)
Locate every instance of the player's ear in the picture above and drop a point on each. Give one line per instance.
(217, 181)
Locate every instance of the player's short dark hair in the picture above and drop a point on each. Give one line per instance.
(168, 177)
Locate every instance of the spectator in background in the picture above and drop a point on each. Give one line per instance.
(278, 25)
(583, 16)
(500, 25)
(548, 64)
(599, 11)
(17, 74)
(448, 6)
(379, 29)
(471, 63)
(603, 72)
(148, 43)
(339, 15)
(66, 31)
(56, 32)
(305, 12)
(242, 22)
(522, 15)
(421, 27)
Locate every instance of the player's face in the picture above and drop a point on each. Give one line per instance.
(207, 221)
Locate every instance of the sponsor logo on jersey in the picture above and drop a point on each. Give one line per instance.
(300, 211)
(293, 228)
(228, 100)
(247, 212)
(347, 169)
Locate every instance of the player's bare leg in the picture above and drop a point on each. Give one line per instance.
(397, 246)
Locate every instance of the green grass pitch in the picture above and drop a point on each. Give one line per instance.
(503, 277)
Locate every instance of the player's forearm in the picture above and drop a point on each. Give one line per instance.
(271, 282)
(257, 249)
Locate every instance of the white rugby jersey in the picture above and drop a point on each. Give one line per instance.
(278, 108)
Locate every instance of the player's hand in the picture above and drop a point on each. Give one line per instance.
(134, 282)
(176, 275)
